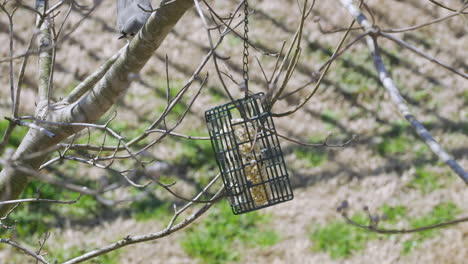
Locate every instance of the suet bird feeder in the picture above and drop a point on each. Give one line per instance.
(248, 154)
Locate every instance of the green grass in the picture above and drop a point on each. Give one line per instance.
(419, 39)
(393, 213)
(443, 212)
(175, 85)
(464, 95)
(400, 139)
(223, 236)
(81, 210)
(422, 96)
(426, 181)
(313, 156)
(161, 86)
(17, 135)
(33, 219)
(233, 41)
(168, 180)
(196, 154)
(394, 146)
(355, 83)
(340, 239)
(126, 130)
(176, 112)
(151, 208)
(397, 140)
(329, 115)
(217, 93)
(331, 118)
(356, 75)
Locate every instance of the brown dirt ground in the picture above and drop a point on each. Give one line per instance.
(356, 173)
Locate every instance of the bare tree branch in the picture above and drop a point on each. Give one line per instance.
(29, 200)
(14, 97)
(319, 82)
(31, 126)
(98, 100)
(375, 229)
(24, 250)
(390, 30)
(423, 54)
(395, 95)
(128, 240)
(96, 3)
(444, 6)
(11, 69)
(45, 57)
(42, 244)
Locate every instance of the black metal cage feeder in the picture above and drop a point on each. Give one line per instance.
(248, 154)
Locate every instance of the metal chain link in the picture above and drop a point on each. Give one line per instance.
(245, 60)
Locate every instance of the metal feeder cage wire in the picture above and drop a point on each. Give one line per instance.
(248, 154)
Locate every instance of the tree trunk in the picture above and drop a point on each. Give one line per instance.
(96, 102)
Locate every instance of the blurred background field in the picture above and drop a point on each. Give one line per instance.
(387, 168)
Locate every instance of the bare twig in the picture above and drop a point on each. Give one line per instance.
(399, 30)
(444, 6)
(6, 136)
(214, 46)
(96, 3)
(42, 244)
(170, 133)
(14, 98)
(113, 148)
(6, 217)
(423, 54)
(316, 75)
(375, 229)
(24, 250)
(63, 184)
(319, 82)
(395, 95)
(128, 240)
(31, 125)
(39, 200)
(293, 61)
(22, 74)
(325, 143)
(195, 200)
(331, 31)
(228, 26)
(11, 69)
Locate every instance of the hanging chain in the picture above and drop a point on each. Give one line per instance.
(245, 59)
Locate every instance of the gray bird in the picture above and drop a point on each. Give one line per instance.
(130, 17)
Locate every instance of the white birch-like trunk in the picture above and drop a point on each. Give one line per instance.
(96, 102)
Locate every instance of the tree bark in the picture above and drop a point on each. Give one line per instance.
(96, 102)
